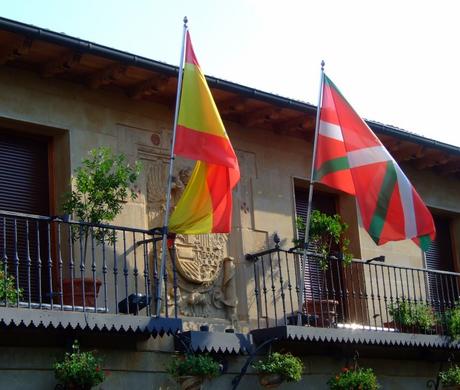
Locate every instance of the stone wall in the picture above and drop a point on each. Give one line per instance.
(143, 366)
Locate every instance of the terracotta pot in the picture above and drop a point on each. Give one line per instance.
(78, 291)
(190, 382)
(436, 329)
(324, 309)
(71, 386)
(270, 381)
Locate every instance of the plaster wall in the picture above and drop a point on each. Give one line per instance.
(82, 119)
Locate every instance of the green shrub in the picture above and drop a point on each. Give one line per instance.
(451, 376)
(8, 291)
(286, 365)
(452, 320)
(194, 365)
(407, 314)
(326, 231)
(354, 379)
(79, 368)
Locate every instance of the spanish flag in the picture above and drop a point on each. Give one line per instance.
(206, 204)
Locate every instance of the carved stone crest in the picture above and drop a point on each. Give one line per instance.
(199, 257)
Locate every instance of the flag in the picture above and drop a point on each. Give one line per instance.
(206, 204)
(352, 159)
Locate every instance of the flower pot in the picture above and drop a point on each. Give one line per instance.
(324, 309)
(72, 386)
(190, 382)
(451, 387)
(270, 381)
(88, 284)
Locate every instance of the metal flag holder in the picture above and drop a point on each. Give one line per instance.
(170, 175)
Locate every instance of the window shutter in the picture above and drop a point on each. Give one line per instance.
(24, 187)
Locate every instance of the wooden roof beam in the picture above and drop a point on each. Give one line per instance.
(261, 116)
(452, 166)
(149, 87)
(12, 53)
(107, 76)
(233, 105)
(408, 152)
(433, 159)
(61, 65)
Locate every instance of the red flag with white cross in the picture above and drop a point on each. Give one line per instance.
(352, 159)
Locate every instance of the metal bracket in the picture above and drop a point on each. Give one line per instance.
(381, 259)
(435, 383)
(236, 381)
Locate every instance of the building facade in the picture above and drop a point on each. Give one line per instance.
(60, 97)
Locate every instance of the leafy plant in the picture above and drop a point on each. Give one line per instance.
(354, 379)
(451, 376)
(8, 291)
(408, 314)
(452, 320)
(284, 364)
(194, 365)
(101, 187)
(78, 368)
(326, 231)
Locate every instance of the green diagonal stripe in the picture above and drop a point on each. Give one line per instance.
(383, 201)
(337, 164)
(425, 242)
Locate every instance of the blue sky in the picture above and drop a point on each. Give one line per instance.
(395, 61)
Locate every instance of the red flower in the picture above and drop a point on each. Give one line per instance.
(98, 369)
(344, 369)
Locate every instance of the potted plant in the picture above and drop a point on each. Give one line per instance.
(277, 368)
(101, 188)
(328, 236)
(411, 316)
(79, 370)
(450, 378)
(354, 379)
(190, 371)
(9, 294)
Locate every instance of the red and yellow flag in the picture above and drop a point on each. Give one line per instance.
(206, 204)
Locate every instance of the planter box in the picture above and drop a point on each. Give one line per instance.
(78, 284)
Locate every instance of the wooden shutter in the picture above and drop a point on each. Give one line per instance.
(326, 203)
(442, 289)
(24, 187)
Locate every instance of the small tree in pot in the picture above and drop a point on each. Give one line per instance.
(101, 188)
(328, 236)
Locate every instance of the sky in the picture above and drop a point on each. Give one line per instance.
(396, 62)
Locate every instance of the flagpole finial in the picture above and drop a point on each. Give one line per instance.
(322, 64)
(185, 20)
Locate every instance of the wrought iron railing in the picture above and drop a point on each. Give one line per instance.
(367, 295)
(59, 264)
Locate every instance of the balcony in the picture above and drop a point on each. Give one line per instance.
(64, 274)
(60, 273)
(367, 302)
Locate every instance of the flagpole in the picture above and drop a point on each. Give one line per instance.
(170, 176)
(310, 198)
